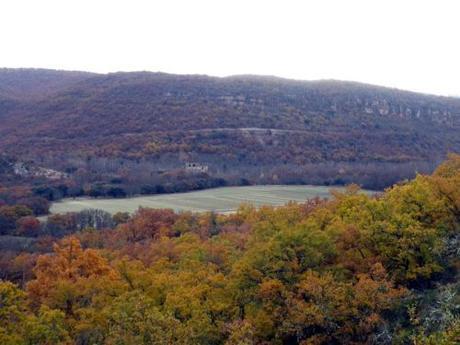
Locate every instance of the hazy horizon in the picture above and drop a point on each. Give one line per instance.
(407, 45)
(230, 76)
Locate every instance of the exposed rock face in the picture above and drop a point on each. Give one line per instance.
(23, 170)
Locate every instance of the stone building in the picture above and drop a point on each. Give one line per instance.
(194, 167)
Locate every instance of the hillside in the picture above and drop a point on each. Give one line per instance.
(262, 129)
(24, 83)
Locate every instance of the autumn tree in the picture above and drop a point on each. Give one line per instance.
(77, 282)
(9, 215)
(148, 224)
(18, 325)
(28, 226)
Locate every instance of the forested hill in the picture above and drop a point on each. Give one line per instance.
(229, 123)
(24, 83)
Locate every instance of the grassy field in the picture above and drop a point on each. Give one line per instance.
(225, 199)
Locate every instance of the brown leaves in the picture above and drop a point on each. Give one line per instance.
(66, 274)
(148, 224)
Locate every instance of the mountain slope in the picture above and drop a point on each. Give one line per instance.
(24, 83)
(237, 124)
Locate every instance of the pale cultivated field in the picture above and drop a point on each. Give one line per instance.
(225, 199)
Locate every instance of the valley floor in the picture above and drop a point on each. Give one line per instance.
(225, 199)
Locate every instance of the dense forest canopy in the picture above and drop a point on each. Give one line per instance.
(355, 269)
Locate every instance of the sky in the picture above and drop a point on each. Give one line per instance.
(413, 45)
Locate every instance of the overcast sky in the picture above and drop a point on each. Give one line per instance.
(406, 44)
